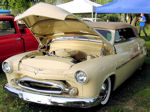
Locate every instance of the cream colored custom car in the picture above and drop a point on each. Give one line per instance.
(82, 64)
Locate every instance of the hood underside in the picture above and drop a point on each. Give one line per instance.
(48, 22)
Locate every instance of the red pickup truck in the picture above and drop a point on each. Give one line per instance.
(14, 40)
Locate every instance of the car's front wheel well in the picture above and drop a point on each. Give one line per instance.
(112, 77)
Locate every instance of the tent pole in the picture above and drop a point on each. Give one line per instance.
(92, 16)
(95, 16)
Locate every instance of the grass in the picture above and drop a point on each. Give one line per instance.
(147, 30)
(132, 96)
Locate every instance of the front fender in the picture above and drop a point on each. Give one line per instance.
(14, 60)
(97, 70)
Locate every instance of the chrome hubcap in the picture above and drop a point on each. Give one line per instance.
(104, 90)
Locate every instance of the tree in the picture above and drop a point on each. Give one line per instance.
(18, 6)
(4, 4)
(54, 2)
(132, 19)
(50, 1)
(102, 2)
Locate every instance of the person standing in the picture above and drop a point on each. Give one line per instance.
(142, 20)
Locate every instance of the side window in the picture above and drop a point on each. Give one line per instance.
(6, 28)
(107, 34)
(117, 37)
(123, 35)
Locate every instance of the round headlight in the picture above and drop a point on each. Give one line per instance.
(6, 67)
(81, 77)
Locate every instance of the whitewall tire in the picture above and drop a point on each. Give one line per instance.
(105, 91)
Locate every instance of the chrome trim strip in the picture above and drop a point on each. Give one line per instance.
(127, 61)
(42, 91)
(53, 99)
(73, 38)
(62, 88)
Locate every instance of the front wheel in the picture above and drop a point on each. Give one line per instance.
(105, 91)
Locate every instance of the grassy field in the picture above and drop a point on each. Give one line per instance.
(132, 96)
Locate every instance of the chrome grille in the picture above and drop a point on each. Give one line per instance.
(52, 87)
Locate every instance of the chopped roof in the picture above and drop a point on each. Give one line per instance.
(112, 26)
(109, 25)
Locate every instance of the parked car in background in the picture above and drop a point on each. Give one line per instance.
(80, 67)
(90, 19)
(14, 40)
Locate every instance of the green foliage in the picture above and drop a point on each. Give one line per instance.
(147, 30)
(50, 1)
(57, 1)
(113, 17)
(109, 17)
(148, 45)
(17, 6)
(4, 4)
(102, 2)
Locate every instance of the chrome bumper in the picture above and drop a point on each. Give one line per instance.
(53, 99)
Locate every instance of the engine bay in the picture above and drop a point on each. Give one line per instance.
(77, 48)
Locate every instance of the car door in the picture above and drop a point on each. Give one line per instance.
(127, 49)
(30, 41)
(10, 40)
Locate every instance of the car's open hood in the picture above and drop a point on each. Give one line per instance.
(48, 22)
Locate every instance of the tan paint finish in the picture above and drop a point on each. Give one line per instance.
(97, 69)
(83, 46)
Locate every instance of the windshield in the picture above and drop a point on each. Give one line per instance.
(107, 34)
